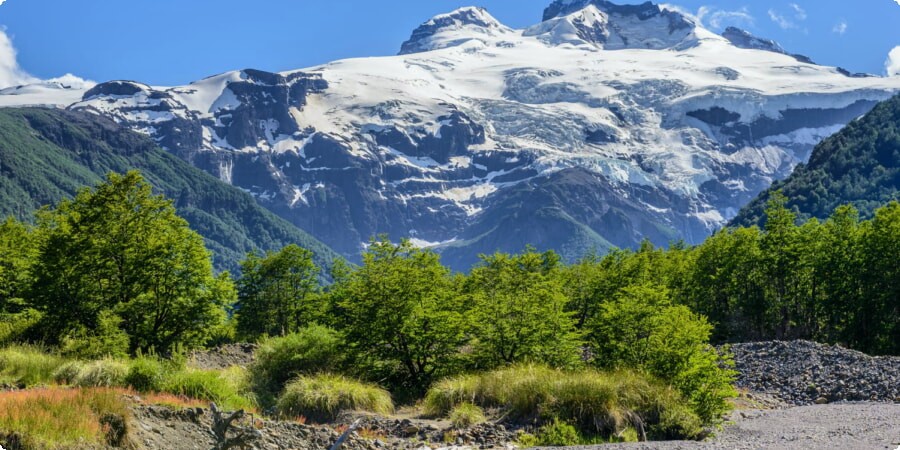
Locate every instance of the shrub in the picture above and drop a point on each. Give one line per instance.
(642, 330)
(207, 385)
(597, 403)
(68, 372)
(107, 340)
(57, 418)
(147, 374)
(14, 327)
(28, 365)
(314, 349)
(102, 373)
(465, 415)
(558, 433)
(322, 397)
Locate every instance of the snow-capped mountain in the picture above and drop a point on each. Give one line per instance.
(600, 126)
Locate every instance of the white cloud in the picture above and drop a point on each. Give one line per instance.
(10, 72)
(799, 12)
(2, 1)
(892, 65)
(782, 21)
(841, 27)
(718, 19)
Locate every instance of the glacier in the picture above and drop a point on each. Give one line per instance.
(598, 127)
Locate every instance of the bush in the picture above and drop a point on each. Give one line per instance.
(102, 373)
(68, 372)
(14, 327)
(147, 374)
(208, 385)
(465, 415)
(322, 397)
(642, 330)
(597, 403)
(107, 340)
(314, 349)
(558, 434)
(28, 365)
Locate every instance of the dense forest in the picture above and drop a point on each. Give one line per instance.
(115, 271)
(49, 154)
(859, 166)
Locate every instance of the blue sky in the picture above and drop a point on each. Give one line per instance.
(171, 42)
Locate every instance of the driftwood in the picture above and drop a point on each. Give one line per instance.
(242, 436)
(346, 434)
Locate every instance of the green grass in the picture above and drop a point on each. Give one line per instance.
(465, 415)
(220, 387)
(322, 397)
(28, 365)
(596, 403)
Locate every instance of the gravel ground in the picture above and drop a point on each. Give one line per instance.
(844, 426)
(224, 356)
(803, 373)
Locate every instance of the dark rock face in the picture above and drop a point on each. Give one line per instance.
(124, 88)
(743, 39)
(644, 11)
(804, 373)
(572, 211)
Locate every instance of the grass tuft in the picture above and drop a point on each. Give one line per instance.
(56, 417)
(466, 415)
(322, 397)
(597, 403)
(102, 373)
(211, 385)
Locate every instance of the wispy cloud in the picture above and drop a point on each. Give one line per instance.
(782, 21)
(4, 1)
(841, 27)
(789, 21)
(799, 12)
(892, 65)
(718, 19)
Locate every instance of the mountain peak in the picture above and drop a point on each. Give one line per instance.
(613, 26)
(453, 28)
(744, 39)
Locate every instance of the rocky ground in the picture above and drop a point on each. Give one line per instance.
(795, 395)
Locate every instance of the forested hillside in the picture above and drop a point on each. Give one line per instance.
(46, 155)
(859, 165)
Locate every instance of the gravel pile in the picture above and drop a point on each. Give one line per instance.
(804, 373)
(224, 356)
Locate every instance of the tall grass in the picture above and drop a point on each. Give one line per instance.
(600, 403)
(323, 397)
(216, 386)
(28, 365)
(56, 417)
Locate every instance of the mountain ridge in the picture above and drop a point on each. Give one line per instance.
(49, 154)
(681, 126)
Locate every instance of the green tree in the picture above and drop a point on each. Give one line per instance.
(121, 249)
(277, 294)
(519, 311)
(641, 329)
(400, 314)
(17, 255)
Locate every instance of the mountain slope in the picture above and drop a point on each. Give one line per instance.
(47, 155)
(676, 126)
(859, 165)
